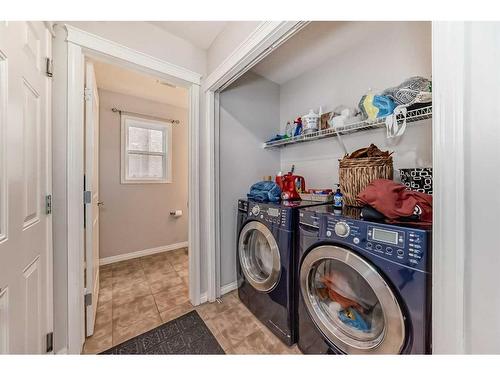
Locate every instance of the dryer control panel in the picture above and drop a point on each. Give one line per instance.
(403, 245)
(309, 218)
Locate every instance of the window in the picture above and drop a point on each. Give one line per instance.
(146, 151)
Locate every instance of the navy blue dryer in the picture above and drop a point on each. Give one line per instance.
(365, 287)
(266, 263)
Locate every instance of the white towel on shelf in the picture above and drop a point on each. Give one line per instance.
(395, 129)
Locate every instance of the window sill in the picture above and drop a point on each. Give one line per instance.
(135, 182)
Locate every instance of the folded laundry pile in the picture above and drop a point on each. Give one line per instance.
(391, 201)
(376, 106)
(413, 90)
(265, 191)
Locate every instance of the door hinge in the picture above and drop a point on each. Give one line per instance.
(49, 67)
(88, 299)
(87, 94)
(50, 342)
(87, 197)
(48, 204)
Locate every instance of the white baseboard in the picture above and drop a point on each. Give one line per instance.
(223, 290)
(228, 287)
(141, 253)
(203, 298)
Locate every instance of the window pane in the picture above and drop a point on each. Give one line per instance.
(143, 139)
(145, 166)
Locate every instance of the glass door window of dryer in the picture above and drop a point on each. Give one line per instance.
(350, 302)
(259, 256)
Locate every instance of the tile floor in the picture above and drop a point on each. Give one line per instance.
(139, 294)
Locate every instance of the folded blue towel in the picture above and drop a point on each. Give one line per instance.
(265, 191)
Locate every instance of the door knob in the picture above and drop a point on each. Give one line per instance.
(99, 203)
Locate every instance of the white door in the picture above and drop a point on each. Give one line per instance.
(92, 196)
(25, 226)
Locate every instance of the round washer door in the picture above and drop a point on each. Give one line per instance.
(259, 256)
(350, 302)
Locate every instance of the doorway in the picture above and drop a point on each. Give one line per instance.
(136, 208)
(74, 45)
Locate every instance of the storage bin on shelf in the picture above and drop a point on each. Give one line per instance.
(356, 173)
(417, 179)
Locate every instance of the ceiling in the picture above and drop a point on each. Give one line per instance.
(322, 42)
(129, 82)
(200, 33)
(313, 45)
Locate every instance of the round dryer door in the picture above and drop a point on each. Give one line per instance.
(351, 303)
(259, 256)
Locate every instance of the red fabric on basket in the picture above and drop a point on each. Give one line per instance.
(395, 202)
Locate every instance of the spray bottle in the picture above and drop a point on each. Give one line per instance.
(338, 198)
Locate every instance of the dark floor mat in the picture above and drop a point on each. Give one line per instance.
(187, 334)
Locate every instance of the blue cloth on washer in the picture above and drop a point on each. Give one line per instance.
(265, 191)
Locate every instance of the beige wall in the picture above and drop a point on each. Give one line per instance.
(233, 34)
(149, 39)
(137, 216)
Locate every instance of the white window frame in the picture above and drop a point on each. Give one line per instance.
(166, 129)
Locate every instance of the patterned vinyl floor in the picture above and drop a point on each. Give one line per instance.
(140, 294)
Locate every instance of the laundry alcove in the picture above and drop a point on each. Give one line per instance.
(326, 64)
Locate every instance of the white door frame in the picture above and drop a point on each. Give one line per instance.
(79, 44)
(448, 150)
(449, 223)
(262, 41)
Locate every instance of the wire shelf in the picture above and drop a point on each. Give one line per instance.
(411, 116)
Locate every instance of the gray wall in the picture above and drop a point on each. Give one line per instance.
(248, 110)
(380, 55)
(136, 216)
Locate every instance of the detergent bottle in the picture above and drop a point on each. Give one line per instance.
(338, 198)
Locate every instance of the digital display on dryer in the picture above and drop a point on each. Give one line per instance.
(386, 236)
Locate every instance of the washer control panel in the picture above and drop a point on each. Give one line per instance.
(268, 214)
(399, 244)
(243, 205)
(255, 210)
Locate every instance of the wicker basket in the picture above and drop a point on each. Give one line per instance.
(355, 174)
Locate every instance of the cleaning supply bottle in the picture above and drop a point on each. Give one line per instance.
(338, 198)
(298, 127)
